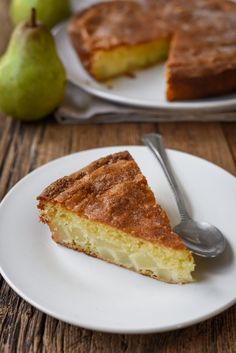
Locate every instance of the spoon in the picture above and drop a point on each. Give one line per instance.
(202, 238)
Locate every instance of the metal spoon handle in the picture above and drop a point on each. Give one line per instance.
(155, 143)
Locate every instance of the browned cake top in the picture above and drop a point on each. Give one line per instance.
(113, 191)
(106, 25)
(195, 54)
(184, 11)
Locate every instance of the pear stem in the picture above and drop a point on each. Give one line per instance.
(33, 17)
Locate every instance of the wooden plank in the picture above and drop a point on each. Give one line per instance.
(230, 135)
(206, 140)
(60, 140)
(19, 150)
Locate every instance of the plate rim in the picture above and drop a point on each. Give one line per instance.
(101, 328)
(191, 105)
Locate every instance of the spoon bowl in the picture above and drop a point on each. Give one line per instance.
(202, 238)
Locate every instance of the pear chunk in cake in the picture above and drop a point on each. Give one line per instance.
(108, 211)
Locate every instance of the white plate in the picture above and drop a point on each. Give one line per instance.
(91, 293)
(146, 90)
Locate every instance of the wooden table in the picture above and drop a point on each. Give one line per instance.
(24, 147)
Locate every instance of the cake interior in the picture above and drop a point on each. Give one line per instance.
(127, 59)
(115, 246)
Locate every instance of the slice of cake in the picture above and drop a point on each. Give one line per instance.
(108, 211)
(114, 38)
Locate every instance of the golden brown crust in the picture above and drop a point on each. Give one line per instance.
(113, 191)
(197, 68)
(64, 183)
(193, 14)
(195, 54)
(200, 87)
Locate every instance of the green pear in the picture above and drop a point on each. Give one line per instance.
(49, 12)
(32, 77)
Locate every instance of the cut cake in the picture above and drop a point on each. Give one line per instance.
(118, 37)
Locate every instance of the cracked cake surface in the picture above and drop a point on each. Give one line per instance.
(112, 190)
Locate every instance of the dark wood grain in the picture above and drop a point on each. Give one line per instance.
(206, 140)
(230, 136)
(23, 147)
